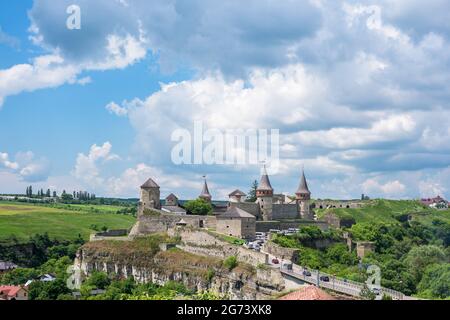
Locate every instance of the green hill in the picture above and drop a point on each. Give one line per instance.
(63, 222)
(389, 211)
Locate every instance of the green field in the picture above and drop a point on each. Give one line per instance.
(63, 222)
(387, 211)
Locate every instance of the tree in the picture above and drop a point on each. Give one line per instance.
(252, 193)
(419, 258)
(98, 280)
(18, 276)
(47, 290)
(48, 194)
(435, 282)
(199, 207)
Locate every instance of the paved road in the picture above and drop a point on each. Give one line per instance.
(336, 284)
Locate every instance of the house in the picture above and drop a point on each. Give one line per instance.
(6, 266)
(308, 293)
(236, 222)
(436, 203)
(171, 205)
(13, 293)
(43, 278)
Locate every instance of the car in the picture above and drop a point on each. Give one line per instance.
(377, 291)
(325, 278)
(307, 273)
(275, 261)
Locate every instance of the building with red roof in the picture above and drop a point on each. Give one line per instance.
(13, 293)
(308, 293)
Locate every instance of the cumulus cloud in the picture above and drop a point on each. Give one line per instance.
(53, 70)
(358, 89)
(26, 166)
(212, 34)
(389, 188)
(44, 72)
(86, 166)
(129, 181)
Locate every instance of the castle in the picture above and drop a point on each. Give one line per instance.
(237, 218)
(268, 206)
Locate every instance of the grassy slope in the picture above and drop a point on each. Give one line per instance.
(385, 211)
(23, 220)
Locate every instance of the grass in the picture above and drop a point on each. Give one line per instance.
(22, 220)
(387, 211)
(229, 239)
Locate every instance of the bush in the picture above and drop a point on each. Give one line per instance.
(210, 274)
(230, 263)
(98, 280)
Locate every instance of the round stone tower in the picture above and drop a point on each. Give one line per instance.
(303, 197)
(150, 196)
(264, 195)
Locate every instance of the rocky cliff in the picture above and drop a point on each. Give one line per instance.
(143, 260)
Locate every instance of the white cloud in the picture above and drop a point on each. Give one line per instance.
(389, 189)
(86, 166)
(4, 161)
(44, 72)
(26, 166)
(114, 108)
(431, 188)
(130, 180)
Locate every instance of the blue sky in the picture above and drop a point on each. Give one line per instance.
(359, 92)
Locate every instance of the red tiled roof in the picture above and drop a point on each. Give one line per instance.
(10, 291)
(308, 293)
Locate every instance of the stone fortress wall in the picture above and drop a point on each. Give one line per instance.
(160, 221)
(328, 204)
(202, 243)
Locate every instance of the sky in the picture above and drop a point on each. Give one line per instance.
(359, 91)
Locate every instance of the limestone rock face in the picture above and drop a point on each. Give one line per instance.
(242, 283)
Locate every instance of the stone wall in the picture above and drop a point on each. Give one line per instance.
(338, 222)
(280, 252)
(327, 204)
(265, 226)
(285, 211)
(204, 244)
(161, 222)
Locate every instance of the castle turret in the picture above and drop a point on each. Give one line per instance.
(150, 196)
(264, 195)
(205, 195)
(303, 197)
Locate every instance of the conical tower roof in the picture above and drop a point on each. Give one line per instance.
(303, 187)
(205, 192)
(149, 184)
(264, 184)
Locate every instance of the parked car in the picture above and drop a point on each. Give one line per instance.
(275, 261)
(325, 278)
(307, 273)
